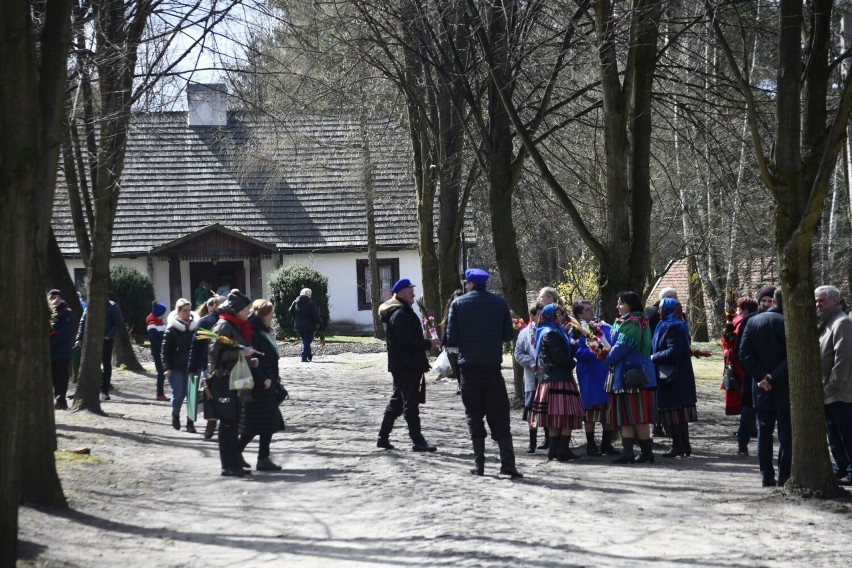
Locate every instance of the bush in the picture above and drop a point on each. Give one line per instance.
(284, 287)
(134, 293)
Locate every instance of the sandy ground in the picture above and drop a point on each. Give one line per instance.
(151, 496)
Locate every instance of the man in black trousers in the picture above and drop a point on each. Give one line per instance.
(478, 324)
(406, 362)
(763, 352)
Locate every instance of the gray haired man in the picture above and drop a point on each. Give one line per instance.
(835, 350)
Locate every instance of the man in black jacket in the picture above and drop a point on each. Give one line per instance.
(763, 352)
(114, 323)
(406, 362)
(478, 324)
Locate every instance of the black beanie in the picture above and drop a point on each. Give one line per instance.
(238, 301)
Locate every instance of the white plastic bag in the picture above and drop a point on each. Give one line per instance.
(442, 364)
(240, 378)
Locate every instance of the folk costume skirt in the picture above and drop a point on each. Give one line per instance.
(598, 413)
(678, 415)
(630, 407)
(557, 404)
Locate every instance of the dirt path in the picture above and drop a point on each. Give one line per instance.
(151, 496)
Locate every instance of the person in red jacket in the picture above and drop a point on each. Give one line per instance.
(155, 328)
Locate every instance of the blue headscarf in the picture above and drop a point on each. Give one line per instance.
(670, 314)
(547, 320)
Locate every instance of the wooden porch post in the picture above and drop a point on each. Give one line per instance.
(175, 286)
(255, 278)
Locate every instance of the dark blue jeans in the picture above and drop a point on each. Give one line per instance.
(307, 338)
(766, 421)
(838, 424)
(747, 422)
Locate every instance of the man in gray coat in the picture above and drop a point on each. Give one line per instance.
(835, 350)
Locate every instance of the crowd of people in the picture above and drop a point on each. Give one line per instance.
(579, 371)
(635, 375)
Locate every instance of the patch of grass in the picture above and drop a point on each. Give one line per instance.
(66, 458)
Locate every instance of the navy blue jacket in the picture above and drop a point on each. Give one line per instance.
(306, 317)
(478, 324)
(673, 348)
(114, 321)
(62, 333)
(201, 347)
(763, 349)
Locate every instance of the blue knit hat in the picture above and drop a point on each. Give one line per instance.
(158, 309)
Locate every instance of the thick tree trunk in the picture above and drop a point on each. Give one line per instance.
(369, 206)
(29, 94)
(123, 352)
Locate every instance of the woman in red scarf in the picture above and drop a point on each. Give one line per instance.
(232, 324)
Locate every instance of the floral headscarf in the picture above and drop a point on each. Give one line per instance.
(547, 320)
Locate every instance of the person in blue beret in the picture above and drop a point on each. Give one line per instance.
(478, 324)
(407, 362)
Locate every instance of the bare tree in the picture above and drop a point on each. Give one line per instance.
(808, 135)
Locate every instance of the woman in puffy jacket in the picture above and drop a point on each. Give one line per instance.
(177, 339)
(233, 325)
(557, 399)
(634, 409)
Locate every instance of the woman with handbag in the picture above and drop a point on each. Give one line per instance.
(227, 353)
(260, 415)
(632, 383)
(676, 396)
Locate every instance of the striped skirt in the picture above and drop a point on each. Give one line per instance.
(627, 408)
(598, 413)
(678, 415)
(557, 405)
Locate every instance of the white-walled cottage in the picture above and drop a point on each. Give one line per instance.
(228, 197)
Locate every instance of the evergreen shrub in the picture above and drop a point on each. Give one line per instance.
(284, 287)
(134, 292)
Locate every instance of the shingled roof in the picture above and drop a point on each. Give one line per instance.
(297, 185)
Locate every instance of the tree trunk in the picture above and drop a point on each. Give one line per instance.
(372, 253)
(123, 352)
(33, 78)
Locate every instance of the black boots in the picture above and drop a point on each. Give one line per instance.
(676, 450)
(421, 445)
(684, 439)
(190, 426)
(384, 432)
(591, 446)
(546, 443)
(647, 455)
(606, 444)
(267, 464)
(176, 421)
(507, 458)
(533, 441)
(210, 429)
(553, 446)
(564, 452)
(627, 455)
(680, 441)
(478, 456)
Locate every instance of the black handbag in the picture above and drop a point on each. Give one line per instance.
(666, 374)
(634, 376)
(281, 393)
(729, 379)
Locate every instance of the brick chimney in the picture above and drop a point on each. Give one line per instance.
(207, 104)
